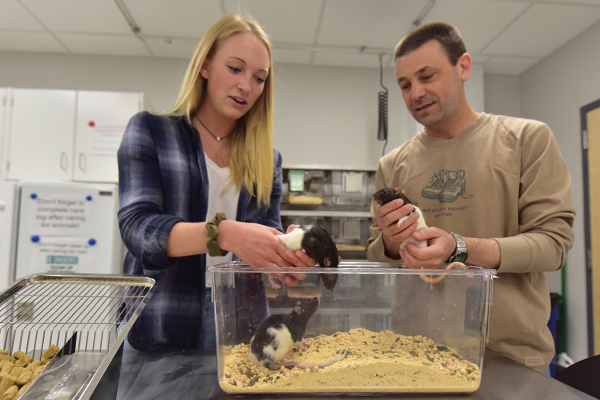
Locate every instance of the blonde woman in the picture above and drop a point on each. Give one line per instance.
(201, 184)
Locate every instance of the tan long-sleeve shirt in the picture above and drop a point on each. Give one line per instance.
(502, 178)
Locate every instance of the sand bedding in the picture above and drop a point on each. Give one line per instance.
(374, 362)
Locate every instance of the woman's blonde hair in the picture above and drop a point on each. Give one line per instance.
(251, 161)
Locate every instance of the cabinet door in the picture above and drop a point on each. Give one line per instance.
(3, 105)
(101, 121)
(41, 126)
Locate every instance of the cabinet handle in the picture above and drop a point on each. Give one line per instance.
(82, 161)
(63, 161)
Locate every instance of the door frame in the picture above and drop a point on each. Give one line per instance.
(587, 224)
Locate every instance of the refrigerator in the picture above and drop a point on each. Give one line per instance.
(67, 227)
(8, 228)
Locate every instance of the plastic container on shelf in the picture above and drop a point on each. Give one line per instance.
(384, 329)
(351, 187)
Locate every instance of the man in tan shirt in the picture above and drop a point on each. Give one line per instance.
(494, 191)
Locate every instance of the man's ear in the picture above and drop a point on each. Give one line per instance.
(465, 65)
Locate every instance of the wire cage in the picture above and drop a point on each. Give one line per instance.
(92, 313)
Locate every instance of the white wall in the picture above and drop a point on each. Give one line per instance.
(502, 95)
(329, 116)
(158, 79)
(554, 91)
(323, 115)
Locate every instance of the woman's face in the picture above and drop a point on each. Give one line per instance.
(235, 76)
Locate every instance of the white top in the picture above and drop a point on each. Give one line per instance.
(219, 199)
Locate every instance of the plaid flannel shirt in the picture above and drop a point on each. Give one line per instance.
(163, 181)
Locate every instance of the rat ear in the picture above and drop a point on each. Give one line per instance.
(327, 261)
(297, 310)
(339, 259)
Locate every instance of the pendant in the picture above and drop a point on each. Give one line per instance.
(218, 138)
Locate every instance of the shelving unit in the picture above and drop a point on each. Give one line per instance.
(336, 197)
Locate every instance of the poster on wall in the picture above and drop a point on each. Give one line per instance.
(55, 254)
(60, 214)
(105, 139)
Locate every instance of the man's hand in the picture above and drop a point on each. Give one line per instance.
(393, 233)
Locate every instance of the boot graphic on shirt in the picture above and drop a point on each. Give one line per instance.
(439, 181)
(454, 187)
(447, 186)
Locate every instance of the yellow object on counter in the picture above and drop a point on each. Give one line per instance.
(303, 199)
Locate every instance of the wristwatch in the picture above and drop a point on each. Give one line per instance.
(460, 254)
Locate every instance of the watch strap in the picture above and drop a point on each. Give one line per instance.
(460, 254)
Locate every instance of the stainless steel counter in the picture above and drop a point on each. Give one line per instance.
(193, 375)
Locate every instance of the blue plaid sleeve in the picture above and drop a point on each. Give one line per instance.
(143, 223)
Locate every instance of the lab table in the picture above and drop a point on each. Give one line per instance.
(192, 374)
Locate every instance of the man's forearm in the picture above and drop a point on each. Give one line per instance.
(483, 252)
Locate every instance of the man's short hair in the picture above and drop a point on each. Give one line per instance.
(447, 35)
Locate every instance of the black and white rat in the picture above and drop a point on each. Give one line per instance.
(317, 244)
(384, 196)
(277, 334)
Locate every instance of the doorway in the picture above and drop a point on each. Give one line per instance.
(590, 129)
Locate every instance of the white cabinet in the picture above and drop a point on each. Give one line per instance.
(39, 134)
(65, 135)
(101, 120)
(8, 231)
(3, 101)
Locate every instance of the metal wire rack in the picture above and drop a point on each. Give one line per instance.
(43, 310)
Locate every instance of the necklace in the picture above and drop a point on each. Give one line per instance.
(208, 130)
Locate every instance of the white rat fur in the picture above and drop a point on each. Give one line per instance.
(420, 225)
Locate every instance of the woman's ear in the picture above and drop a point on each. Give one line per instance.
(204, 69)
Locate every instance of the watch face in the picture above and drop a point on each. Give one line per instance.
(460, 257)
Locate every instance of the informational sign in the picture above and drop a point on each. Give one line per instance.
(104, 139)
(60, 215)
(60, 254)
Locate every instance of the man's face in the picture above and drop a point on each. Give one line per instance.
(432, 88)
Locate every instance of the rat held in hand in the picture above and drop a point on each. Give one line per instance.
(384, 196)
(277, 334)
(317, 244)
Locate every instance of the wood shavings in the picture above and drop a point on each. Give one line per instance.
(375, 362)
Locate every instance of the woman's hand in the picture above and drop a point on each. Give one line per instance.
(258, 246)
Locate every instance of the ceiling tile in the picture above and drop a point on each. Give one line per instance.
(97, 16)
(555, 24)
(287, 21)
(13, 16)
(174, 18)
(348, 59)
(375, 23)
(483, 21)
(509, 65)
(171, 50)
(30, 41)
(103, 44)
